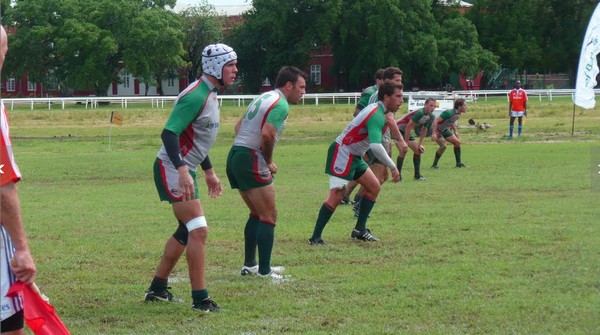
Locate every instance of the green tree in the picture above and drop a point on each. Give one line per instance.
(82, 43)
(369, 35)
(201, 26)
(278, 33)
(536, 35)
(460, 49)
(32, 46)
(372, 35)
(154, 47)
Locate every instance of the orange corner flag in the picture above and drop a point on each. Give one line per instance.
(116, 118)
(39, 315)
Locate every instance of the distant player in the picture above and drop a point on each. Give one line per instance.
(444, 129)
(379, 169)
(517, 108)
(345, 162)
(421, 121)
(363, 101)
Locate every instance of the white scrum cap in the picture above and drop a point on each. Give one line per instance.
(214, 58)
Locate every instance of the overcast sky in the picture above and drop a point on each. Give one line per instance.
(217, 3)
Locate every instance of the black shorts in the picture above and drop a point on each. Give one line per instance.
(15, 322)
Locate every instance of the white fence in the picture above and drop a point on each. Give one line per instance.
(242, 100)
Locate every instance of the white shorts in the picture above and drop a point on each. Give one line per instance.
(517, 114)
(336, 182)
(8, 306)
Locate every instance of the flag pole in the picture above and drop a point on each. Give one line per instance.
(573, 123)
(109, 136)
(110, 129)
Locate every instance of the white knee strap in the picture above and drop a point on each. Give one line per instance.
(196, 223)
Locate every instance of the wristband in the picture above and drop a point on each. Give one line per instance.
(206, 164)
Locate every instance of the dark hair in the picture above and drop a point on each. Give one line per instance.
(379, 74)
(458, 103)
(387, 88)
(390, 72)
(289, 73)
(428, 100)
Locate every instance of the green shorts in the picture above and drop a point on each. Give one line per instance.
(447, 133)
(342, 164)
(372, 159)
(410, 137)
(247, 169)
(166, 179)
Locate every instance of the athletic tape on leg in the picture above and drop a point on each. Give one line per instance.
(196, 223)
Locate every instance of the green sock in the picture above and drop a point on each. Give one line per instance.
(250, 241)
(357, 201)
(417, 164)
(265, 236)
(159, 284)
(199, 295)
(399, 162)
(457, 154)
(437, 158)
(366, 205)
(325, 214)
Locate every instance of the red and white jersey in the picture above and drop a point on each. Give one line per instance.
(10, 173)
(10, 170)
(518, 98)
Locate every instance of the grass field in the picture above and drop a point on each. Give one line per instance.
(509, 245)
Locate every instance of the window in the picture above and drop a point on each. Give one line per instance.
(315, 74)
(171, 82)
(11, 84)
(125, 80)
(31, 86)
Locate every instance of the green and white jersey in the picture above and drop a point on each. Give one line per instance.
(374, 97)
(366, 128)
(387, 136)
(448, 118)
(195, 119)
(421, 119)
(270, 107)
(366, 95)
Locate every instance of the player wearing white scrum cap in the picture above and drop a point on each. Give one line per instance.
(187, 138)
(214, 58)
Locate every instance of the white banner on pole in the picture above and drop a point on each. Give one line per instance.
(588, 65)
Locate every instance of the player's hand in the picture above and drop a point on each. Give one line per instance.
(421, 149)
(23, 267)
(186, 183)
(272, 167)
(395, 175)
(215, 188)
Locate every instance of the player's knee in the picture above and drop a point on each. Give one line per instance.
(197, 229)
(181, 234)
(374, 189)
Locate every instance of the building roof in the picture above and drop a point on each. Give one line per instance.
(454, 2)
(233, 10)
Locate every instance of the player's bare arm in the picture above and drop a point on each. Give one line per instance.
(267, 145)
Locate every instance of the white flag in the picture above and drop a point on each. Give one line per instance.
(588, 66)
